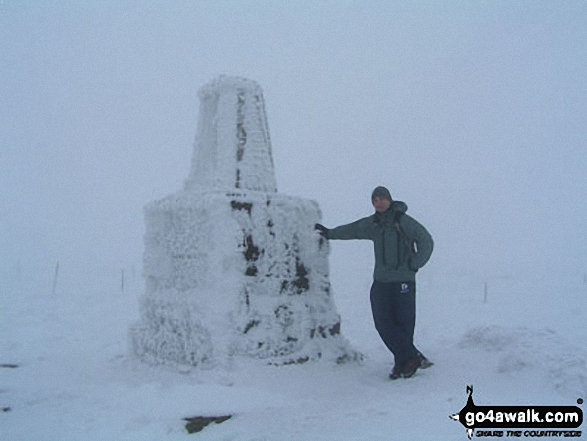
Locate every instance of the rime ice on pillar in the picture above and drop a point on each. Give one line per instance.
(232, 149)
(232, 267)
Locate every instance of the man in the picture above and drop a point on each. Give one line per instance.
(402, 246)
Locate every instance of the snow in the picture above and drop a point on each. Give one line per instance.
(199, 320)
(77, 381)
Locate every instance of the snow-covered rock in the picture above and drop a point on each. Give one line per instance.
(232, 267)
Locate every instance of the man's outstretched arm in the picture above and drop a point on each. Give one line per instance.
(361, 229)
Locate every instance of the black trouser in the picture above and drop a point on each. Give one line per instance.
(394, 312)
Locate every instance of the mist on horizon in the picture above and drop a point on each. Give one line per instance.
(474, 115)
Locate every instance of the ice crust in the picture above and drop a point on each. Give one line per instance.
(231, 266)
(233, 146)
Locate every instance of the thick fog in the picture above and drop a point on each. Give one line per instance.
(473, 113)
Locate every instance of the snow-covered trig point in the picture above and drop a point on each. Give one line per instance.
(232, 267)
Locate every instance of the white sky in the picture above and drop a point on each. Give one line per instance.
(474, 113)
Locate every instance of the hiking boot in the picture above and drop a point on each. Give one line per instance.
(410, 367)
(396, 373)
(424, 362)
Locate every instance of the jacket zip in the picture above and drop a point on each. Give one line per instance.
(383, 242)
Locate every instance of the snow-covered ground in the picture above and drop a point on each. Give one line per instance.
(75, 379)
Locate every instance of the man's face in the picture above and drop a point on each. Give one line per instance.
(381, 204)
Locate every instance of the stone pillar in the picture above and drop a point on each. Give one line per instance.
(233, 267)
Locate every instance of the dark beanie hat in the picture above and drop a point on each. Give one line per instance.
(381, 192)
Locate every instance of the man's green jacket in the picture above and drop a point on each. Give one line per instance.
(402, 245)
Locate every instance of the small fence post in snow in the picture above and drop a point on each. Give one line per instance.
(122, 280)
